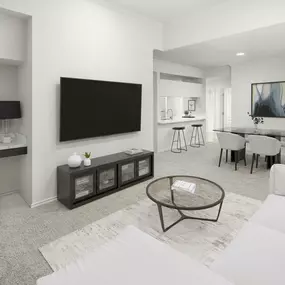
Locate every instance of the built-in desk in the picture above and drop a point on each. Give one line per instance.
(8, 152)
(17, 147)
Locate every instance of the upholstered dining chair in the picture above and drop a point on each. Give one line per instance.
(231, 142)
(263, 145)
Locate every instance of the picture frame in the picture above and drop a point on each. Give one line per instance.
(192, 105)
(268, 99)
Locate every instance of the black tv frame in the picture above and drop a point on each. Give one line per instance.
(99, 136)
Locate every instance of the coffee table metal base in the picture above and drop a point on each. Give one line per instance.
(184, 217)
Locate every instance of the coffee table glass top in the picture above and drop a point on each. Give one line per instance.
(207, 194)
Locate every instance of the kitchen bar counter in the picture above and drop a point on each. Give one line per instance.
(165, 132)
(181, 120)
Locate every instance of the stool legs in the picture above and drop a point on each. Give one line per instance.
(201, 130)
(196, 137)
(252, 162)
(236, 159)
(173, 140)
(220, 160)
(179, 147)
(185, 143)
(257, 157)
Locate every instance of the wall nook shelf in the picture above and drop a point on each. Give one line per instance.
(17, 147)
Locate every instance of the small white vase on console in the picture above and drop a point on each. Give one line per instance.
(87, 161)
(74, 160)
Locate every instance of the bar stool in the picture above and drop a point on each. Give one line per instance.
(179, 148)
(196, 136)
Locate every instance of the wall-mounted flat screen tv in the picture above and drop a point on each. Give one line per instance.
(92, 108)
(268, 99)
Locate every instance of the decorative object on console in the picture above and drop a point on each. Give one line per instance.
(133, 151)
(256, 120)
(87, 160)
(192, 105)
(9, 110)
(186, 112)
(268, 99)
(74, 160)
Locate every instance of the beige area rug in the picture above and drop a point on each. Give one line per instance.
(202, 241)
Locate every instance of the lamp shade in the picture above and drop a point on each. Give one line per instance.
(10, 110)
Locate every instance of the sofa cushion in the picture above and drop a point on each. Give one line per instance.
(277, 179)
(272, 213)
(134, 258)
(255, 257)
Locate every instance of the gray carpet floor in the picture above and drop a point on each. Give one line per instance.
(24, 230)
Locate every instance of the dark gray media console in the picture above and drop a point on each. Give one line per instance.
(106, 175)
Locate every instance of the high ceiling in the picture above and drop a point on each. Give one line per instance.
(256, 44)
(166, 10)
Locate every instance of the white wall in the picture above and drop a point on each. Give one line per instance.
(177, 69)
(219, 77)
(9, 167)
(25, 96)
(81, 38)
(228, 18)
(9, 90)
(11, 38)
(8, 82)
(242, 77)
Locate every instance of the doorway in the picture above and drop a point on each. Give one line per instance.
(218, 110)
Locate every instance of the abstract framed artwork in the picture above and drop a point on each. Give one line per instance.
(268, 99)
(191, 105)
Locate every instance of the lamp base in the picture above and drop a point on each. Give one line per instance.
(7, 140)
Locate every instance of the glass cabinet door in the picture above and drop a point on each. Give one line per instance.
(127, 172)
(144, 167)
(107, 179)
(84, 186)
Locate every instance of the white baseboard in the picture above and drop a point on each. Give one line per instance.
(43, 202)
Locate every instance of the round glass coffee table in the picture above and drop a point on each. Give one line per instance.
(208, 194)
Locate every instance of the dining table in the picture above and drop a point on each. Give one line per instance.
(274, 133)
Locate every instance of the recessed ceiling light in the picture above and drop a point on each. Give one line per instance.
(240, 54)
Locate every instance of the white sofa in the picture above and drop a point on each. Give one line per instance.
(255, 257)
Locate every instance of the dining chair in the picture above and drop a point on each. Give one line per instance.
(232, 142)
(263, 145)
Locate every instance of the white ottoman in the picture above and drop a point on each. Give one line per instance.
(134, 258)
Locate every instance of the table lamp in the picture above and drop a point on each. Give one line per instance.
(9, 110)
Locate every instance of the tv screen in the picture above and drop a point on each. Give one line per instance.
(268, 99)
(91, 108)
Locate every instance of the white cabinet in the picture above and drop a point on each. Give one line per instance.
(167, 88)
(194, 89)
(172, 88)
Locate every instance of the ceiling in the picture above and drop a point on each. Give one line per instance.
(256, 44)
(166, 10)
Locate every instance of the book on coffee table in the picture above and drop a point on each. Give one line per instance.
(180, 185)
(133, 151)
